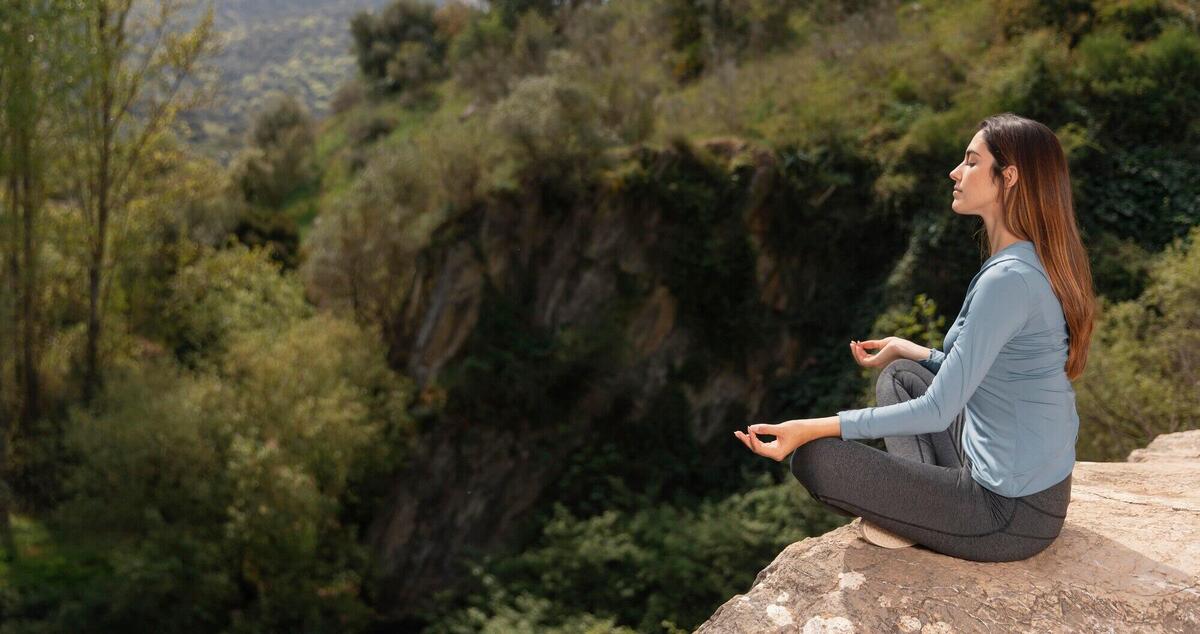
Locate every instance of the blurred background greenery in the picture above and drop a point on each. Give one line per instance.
(459, 344)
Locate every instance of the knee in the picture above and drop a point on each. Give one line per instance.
(808, 459)
(885, 383)
(891, 381)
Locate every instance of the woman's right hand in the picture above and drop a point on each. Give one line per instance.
(889, 349)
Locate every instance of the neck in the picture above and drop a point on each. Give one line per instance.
(998, 236)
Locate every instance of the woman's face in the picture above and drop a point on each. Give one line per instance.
(974, 191)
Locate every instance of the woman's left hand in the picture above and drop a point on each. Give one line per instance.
(788, 436)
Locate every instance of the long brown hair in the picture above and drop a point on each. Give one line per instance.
(1040, 208)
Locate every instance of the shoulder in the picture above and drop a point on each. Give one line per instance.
(1006, 281)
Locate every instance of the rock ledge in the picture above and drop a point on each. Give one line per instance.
(1127, 560)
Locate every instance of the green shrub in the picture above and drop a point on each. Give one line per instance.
(279, 160)
(617, 52)
(228, 292)
(400, 49)
(553, 135)
(491, 55)
(1144, 365)
(736, 28)
(658, 568)
(233, 499)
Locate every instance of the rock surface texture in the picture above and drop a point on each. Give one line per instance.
(1127, 560)
(584, 268)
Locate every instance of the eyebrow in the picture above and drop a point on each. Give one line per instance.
(973, 152)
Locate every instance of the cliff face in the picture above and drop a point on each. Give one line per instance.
(1127, 560)
(661, 268)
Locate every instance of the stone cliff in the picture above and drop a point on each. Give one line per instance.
(1127, 560)
(644, 257)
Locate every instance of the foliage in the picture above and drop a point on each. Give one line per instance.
(705, 34)
(553, 136)
(705, 253)
(491, 54)
(659, 567)
(510, 11)
(234, 290)
(275, 169)
(616, 51)
(222, 479)
(402, 48)
(1120, 266)
(349, 94)
(231, 497)
(1143, 365)
(515, 373)
(364, 243)
(45, 576)
(919, 323)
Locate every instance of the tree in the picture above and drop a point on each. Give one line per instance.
(141, 64)
(278, 160)
(401, 49)
(31, 60)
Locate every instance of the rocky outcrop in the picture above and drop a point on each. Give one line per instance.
(1127, 560)
(484, 476)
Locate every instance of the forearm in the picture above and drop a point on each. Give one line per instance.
(916, 352)
(804, 430)
(827, 426)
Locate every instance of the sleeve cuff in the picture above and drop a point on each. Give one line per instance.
(851, 424)
(934, 362)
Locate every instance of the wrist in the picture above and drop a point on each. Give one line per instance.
(808, 429)
(918, 352)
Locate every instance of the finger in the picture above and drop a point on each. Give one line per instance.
(766, 449)
(745, 440)
(773, 450)
(869, 359)
(755, 445)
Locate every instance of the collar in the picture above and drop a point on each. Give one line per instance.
(1021, 250)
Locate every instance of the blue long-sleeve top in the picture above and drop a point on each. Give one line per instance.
(1004, 364)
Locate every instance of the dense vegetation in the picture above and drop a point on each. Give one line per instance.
(202, 400)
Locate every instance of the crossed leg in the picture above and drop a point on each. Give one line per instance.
(920, 488)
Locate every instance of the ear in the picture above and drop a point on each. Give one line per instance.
(1010, 176)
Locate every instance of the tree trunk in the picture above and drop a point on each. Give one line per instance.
(31, 405)
(9, 414)
(92, 378)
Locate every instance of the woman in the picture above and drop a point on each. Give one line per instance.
(980, 438)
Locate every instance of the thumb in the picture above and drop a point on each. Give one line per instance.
(763, 428)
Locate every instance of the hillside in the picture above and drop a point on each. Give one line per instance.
(300, 48)
(465, 352)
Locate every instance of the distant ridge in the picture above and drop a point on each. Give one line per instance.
(298, 47)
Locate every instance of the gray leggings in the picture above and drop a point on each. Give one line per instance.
(921, 487)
